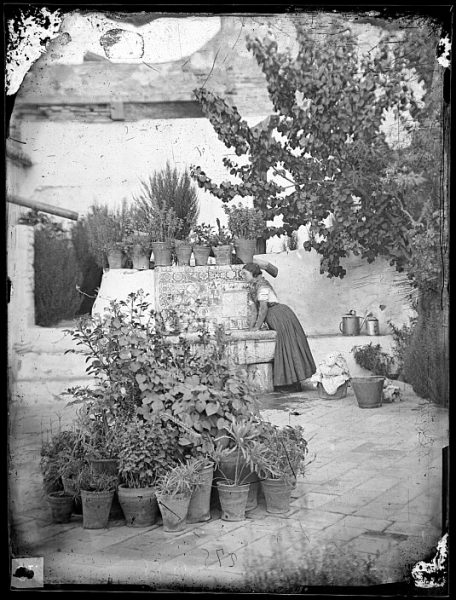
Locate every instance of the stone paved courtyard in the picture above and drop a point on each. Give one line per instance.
(371, 493)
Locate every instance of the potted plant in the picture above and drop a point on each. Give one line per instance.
(222, 245)
(369, 389)
(332, 377)
(174, 492)
(106, 232)
(201, 237)
(199, 509)
(97, 493)
(246, 225)
(279, 457)
(147, 449)
(235, 468)
(58, 456)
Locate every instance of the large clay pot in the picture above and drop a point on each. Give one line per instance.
(233, 500)
(222, 254)
(110, 466)
(199, 509)
(368, 391)
(183, 254)
(61, 505)
(174, 511)
(162, 254)
(277, 494)
(201, 254)
(140, 258)
(95, 509)
(139, 506)
(245, 249)
(115, 259)
(228, 469)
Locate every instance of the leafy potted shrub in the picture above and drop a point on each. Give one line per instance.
(174, 491)
(97, 493)
(278, 458)
(147, 449)
(107, 230)
(332, 377)
(246, 225)
(201, 237)
(222, 244)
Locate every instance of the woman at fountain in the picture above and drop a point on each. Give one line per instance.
(293, 360)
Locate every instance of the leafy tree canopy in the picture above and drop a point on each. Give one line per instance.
(324, 152)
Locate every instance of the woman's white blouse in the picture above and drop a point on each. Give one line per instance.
(266, 294)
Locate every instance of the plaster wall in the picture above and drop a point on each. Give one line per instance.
(76, 164)
(320, 302)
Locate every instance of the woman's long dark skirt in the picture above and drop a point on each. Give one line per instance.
(293, 360)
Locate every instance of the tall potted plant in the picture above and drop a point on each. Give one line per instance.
(246, 225)
(201, 237)
(147, 449)
(183, 249)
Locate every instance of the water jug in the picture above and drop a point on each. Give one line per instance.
(350, 324)
(372, 326)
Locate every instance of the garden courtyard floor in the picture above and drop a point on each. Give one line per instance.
(369, 505)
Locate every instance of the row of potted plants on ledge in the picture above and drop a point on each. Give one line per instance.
(135, 232)
(165, 429)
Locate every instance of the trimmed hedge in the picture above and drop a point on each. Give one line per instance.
(57, 273)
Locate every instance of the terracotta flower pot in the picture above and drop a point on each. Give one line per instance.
(174, 511)
(115, 259)
(95, 509)
(233, 500)
(277, 494)
(183, 254)
(162, 254)
(245, 249)
(139, 505)
(222, 254)
(61, 505)
(201, 254)
(140, 258)
(199, 509)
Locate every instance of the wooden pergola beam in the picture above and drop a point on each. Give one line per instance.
(47, 208)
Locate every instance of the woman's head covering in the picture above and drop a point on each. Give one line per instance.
(253, 268)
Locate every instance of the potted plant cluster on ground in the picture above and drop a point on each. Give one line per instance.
(177, 421)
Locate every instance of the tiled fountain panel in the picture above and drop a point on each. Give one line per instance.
(215, 292)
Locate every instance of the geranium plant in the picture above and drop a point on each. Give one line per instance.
(202, 235)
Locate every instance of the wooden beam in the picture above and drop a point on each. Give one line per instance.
(47, 208)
